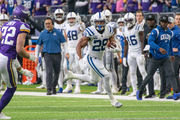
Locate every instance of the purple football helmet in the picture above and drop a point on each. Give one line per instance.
(21, 13)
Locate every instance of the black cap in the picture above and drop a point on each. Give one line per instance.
(150, 17)
(164, 18)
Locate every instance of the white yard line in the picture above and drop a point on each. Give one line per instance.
(119, 97)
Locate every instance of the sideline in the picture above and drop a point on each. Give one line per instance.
(70, 95)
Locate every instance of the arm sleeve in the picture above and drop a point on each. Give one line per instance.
(62, 39)
(151, 40)
(171, 53)
(24, 28)
(39, 42)
(37, 49)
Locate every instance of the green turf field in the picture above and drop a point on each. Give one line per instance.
(57, 108)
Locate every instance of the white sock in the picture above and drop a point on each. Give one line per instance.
(108, 88)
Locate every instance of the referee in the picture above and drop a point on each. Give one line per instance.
(51, 39)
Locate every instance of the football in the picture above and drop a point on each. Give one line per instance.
(111, 45)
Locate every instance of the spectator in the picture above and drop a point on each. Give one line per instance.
(144, 5)
(160, 48)
(111, 5)
(11, 4)
(167, 6)
(120, 6)
(54, 4)
(40, 7)
(29, 5)
(51, 39)
(156, 6)
(131, 6)
(95, 6)
(82, 6)
(3, 7)
(71, 5)
(174, 5)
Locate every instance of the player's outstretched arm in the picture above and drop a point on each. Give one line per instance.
(81, 44)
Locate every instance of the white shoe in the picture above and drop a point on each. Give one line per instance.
(68, 89)
(41, 87)
(116, 104)
(104, 92)
(3, 116)
(132, 94)
(115, 90)
(77, 90)
(68, 75)
(2, 88)
(96, 92)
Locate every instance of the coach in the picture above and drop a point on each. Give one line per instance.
(160, 41)
(51, 39)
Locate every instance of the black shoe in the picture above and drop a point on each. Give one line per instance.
(150, 96)
(162, 96)
(49, 92)
(54, 92)
(120, 88)
(123, 92)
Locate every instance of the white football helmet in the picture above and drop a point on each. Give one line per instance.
(59, 12)
(120, 20)
(108, 15)
(71, 15)
(130, 19)
(3, 18)
(99, 17)
(92, 20)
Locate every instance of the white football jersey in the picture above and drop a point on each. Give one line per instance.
(60, 27)
(98, 42)
(72, 33)
(132, 37)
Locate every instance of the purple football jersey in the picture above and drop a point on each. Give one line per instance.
(10, 31)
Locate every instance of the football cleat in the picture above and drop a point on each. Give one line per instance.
(60, 90)
(41, 87)
(77, 90)
(3, 116)
(138, 95)
(96, 92)
(132, 94)
(68, 89)
(176, 96)
(116, 104)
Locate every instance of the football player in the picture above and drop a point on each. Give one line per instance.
(134, 48)
(59, 24)
(72, 33)
(12, 34)
(96, 37)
